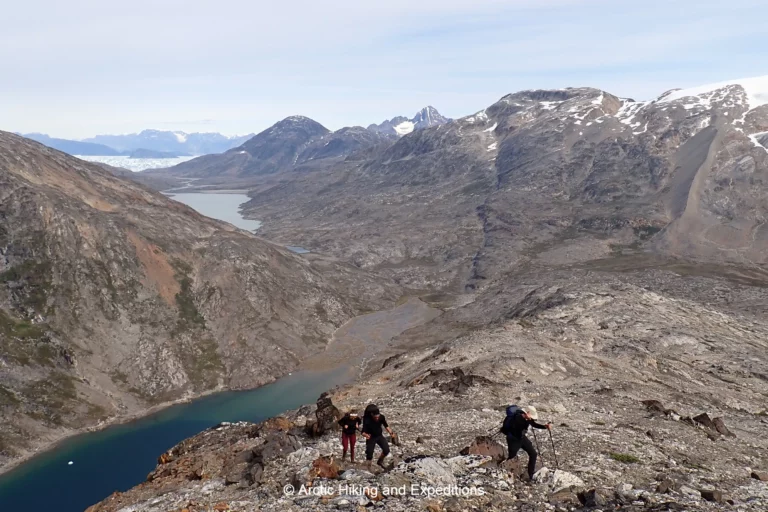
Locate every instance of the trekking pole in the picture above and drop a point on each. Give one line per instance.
(557, 465)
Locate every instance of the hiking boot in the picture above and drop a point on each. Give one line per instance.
(380, 462)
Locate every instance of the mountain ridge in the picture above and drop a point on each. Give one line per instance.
(541, 168)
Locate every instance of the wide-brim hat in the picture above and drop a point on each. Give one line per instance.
(531, 411)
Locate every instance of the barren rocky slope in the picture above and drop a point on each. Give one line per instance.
(576, 173)
(114, 298)
(656, 384)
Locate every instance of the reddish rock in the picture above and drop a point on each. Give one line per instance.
(485, 445)
(325, 467)
(373, 495)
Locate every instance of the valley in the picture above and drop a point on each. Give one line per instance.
(599, 257)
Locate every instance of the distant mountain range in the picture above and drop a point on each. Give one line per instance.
(180, 143)
(73, 147)
(147, 144)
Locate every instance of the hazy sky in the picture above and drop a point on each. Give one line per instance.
(76, 68)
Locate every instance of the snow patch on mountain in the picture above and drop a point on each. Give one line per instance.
(404, 128)
(755, 88)
(181, 137)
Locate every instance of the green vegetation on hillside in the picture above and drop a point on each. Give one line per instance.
(189, 316)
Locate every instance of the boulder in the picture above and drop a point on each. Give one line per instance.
(760, 475)
(720, 427)
(429, 471)
(704, 420)
(486, 446)
(237, 473)
(462, 464)
(563, 497)
(276, 444)
(712, 495)
(244, 456)
(563, 479)
(667, 485)
(557, 480)
(327, 414)
(591, 498)
(516, 468)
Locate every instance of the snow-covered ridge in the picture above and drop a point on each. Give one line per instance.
(756, 89)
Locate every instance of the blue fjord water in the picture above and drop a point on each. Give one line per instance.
(119, 457)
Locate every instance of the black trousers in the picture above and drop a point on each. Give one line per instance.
(513, 446)
(370, 445)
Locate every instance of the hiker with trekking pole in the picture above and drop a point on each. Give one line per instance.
(515, 426)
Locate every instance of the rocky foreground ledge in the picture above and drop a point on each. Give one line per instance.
(279, 466)
(681, 426)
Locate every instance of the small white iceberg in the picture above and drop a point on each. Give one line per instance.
(70, 463)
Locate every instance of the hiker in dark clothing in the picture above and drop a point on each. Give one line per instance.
(350, 422)
(515, 426)
(373, 421)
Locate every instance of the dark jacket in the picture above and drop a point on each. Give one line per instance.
(516, 426)
(373, 427)
(349, 424)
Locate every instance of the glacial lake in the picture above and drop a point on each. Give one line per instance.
(220, 206)
(226, 207)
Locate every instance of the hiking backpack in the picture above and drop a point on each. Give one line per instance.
(512, 411)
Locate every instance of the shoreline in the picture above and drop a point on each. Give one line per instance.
(115, 421)
(320, 362)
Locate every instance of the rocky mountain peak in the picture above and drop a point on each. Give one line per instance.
(401, 125)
